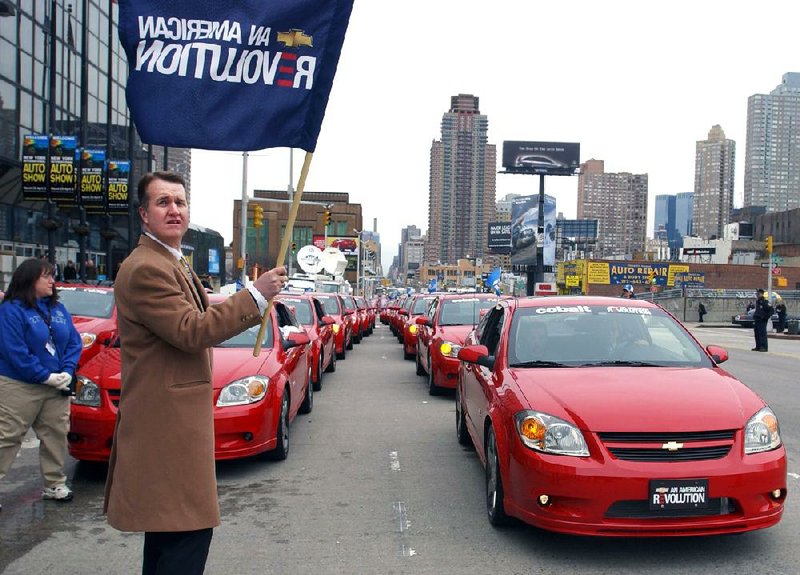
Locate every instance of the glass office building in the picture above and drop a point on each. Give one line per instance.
(63, 72)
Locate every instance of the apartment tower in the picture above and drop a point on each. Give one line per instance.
(619, 204)
(772, 156)
(462, 184)
(714, 163)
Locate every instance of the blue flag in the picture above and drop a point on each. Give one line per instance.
(240, 75)
(432, 285)
(493, 280)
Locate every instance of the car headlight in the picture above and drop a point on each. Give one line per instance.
(87, 392)
(762, 432)
(550, 434)
(449, 349)
(87, 339)
(412, 329)
(243, 391)
(335, 328)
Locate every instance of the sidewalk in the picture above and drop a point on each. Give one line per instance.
(770, 333)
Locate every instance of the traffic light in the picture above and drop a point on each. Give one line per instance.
(293, 246)
(769, 244)
(258, 216)
(327, 218)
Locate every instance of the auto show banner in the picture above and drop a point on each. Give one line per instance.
(34, 167)
(93, 162)
(117, 196)
(525, 237)
(62, 169)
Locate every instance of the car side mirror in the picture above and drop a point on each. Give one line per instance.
(478, 354)
(717, 353)
(327, 320)
(423, 320)
(296, 339)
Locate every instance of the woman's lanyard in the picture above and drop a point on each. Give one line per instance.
(50, 346)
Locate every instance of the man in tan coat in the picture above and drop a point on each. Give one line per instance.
(161, 476)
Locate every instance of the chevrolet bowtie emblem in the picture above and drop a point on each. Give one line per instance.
(672, 446)
(294, 38)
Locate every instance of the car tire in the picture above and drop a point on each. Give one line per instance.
(332, 365)
(320, 363)
(495, 508)
(433, 389)
(308, 401)
(420, 370)
(281, 450)
(461, 422)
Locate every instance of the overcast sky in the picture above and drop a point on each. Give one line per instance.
(636, 83)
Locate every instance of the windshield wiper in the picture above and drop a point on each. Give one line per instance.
(539, 363)
(621, 362)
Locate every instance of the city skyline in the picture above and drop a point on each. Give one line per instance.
(637, 96)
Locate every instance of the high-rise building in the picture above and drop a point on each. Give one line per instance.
(664, 222)
(684, 215)
(714, 164)
(772, 156)
(619, 203)
(407, 234)
(462, 184)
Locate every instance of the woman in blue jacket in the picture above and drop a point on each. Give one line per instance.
(39, 351)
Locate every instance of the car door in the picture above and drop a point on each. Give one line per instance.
(325, 331)
(295, 359)
(478, 382)
(425, 333)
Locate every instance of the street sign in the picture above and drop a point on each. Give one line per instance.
(764, 264)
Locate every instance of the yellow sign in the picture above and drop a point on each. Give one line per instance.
(573, 281)
(675, 269)
(782, 282)
(599, 273)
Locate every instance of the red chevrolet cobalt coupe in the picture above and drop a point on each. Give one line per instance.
(601, 416)
(255, 398)
(311, 315)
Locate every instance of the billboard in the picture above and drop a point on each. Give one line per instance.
(62, 169)
(93, 163)
(525, 237)
(34, 167)
(117, 198)
(549, 158)
(499, 237)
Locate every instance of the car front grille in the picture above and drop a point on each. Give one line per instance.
(641, 510)
(669, 446)
(113, 395)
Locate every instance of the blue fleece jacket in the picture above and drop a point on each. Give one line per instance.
(24, 334)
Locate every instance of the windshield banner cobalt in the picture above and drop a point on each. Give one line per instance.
(241, 76)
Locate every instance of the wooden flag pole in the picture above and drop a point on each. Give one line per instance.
(301, 184)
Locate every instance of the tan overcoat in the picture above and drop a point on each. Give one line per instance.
(161, 474)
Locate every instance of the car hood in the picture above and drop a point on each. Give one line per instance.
(232, 363)
(104, 369)
(639, 398)
(91, 324)
(455, 333)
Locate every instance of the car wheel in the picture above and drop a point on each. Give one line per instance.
(494, 484)
(281, 450)
(318, 383)
(461, 423)
(332, 365)
(308, 402)
(433, 389)
(420, 371)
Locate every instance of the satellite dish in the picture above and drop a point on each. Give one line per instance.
(310, 259)
(333, 261)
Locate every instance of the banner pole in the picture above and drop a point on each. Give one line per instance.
(301, 184)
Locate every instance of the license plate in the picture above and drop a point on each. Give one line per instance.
(678, 493)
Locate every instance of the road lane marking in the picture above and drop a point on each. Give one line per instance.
(793, 475)
(394, 461)
(401, 516)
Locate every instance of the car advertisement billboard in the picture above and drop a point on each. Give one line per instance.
(499, 237)
(525, 237)
(549, 158)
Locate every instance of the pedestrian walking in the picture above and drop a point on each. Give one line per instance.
(780, 309)
(161, 475)
(39, 351)
(763, 312)
(701, 311)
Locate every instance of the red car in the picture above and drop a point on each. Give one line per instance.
(342, 330)
(94, 314)
(601, 416)
(353, 318)
(311, 315)
(448, 321)
(255, 398)
(419, 306)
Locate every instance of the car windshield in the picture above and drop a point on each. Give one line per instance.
(349, 304)
(421, 305)
(302, 309)
(463, 311)
(248, 338)
(87, 302)
(330, 304)
(585, 335)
